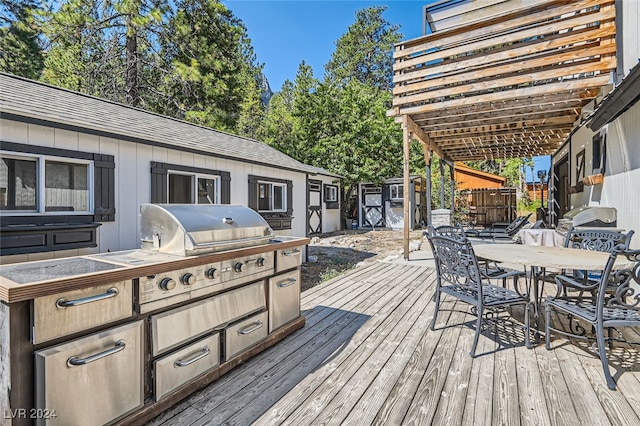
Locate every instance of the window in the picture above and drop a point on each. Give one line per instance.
(580, 169)
(174, 183)
(331, 197)
(53, 199)
(599, 151)
(272, 197)
(193, 189)
(43, 184)
(396, 191)
(330, 193)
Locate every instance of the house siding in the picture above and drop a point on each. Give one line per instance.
(133, 181)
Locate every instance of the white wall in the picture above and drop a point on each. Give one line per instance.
(622, 171)
(330, 217)
(133, 181)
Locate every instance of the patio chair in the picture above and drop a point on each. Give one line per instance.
(619, 308)
(597, 240)
(498, 230)
(490, 270)
(458, 275)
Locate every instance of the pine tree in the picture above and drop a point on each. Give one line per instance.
(20, 50)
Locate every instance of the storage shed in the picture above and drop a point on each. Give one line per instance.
(382, 205)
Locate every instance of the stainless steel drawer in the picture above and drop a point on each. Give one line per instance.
(92, 380)
(284, 299)
(245, 333)
(288, 258)
(66, 313)
(180, 325)
(180, 367)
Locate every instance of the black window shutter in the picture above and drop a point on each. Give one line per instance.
(253, 192)
(386, 193)
(289, 198)
(158, 183)
(104, 201)
(225, 188)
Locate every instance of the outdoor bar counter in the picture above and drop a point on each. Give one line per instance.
(117, 338)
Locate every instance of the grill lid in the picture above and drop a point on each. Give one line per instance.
(187, 229)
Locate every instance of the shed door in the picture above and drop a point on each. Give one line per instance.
(314, 212)
(372, 207)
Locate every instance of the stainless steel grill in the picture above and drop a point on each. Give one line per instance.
(588, 216)
(190, 229)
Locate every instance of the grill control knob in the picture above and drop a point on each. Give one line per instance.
(239, 267)
(212, 273)
(188, 279)
(260, 261)
(167, 284)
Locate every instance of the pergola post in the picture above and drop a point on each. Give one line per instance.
(406, 142)
(453, 188)
(442, 205)
(427, 161)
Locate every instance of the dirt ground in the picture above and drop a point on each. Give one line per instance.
(334, 253)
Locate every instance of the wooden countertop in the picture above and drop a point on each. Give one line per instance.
(11, 291)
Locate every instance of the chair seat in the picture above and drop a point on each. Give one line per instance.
(587, 311)
(492, 295)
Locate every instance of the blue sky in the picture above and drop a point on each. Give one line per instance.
(286, 32)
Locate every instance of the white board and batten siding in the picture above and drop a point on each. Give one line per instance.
(133, 182)
(622, 169)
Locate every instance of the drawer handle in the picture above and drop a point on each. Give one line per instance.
(287, 283)
(66, 303)
(203, 352)
(75, 361)
(291, 253)
(255, 326)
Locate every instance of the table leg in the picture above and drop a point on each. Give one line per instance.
(536, 275)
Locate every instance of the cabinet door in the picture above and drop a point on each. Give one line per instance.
(244, 334)
(62, 314)
(92, 380)
(284, 299)
(178, 368)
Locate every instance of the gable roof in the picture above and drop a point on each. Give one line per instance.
(35, 102)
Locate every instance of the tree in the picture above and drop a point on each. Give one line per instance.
(211, 63)
(20, 50)
(104, 48)
(364, 52)
(277, 127)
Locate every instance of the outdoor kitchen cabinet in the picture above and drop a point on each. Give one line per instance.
(137, 356)
(284, 299)
(92, 380)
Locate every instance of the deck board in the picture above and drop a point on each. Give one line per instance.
(367, 356)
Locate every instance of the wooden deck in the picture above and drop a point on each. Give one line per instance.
(366, 356)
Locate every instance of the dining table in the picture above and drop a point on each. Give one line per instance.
(536, 260)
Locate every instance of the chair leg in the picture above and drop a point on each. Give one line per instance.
(547, 326)
(478, 330)
(603, 357)
(527, 326)
(435, 312)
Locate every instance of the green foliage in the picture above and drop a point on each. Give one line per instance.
(104, 48)
(20, 50)
(213, 78)
(364, 52)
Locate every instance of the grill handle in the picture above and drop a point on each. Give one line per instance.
(291, 253)
(203, 353)
(65, 303)
(75, 361)
(255, 326)
(228, 220)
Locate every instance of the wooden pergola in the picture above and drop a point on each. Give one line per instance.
(501, 78)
